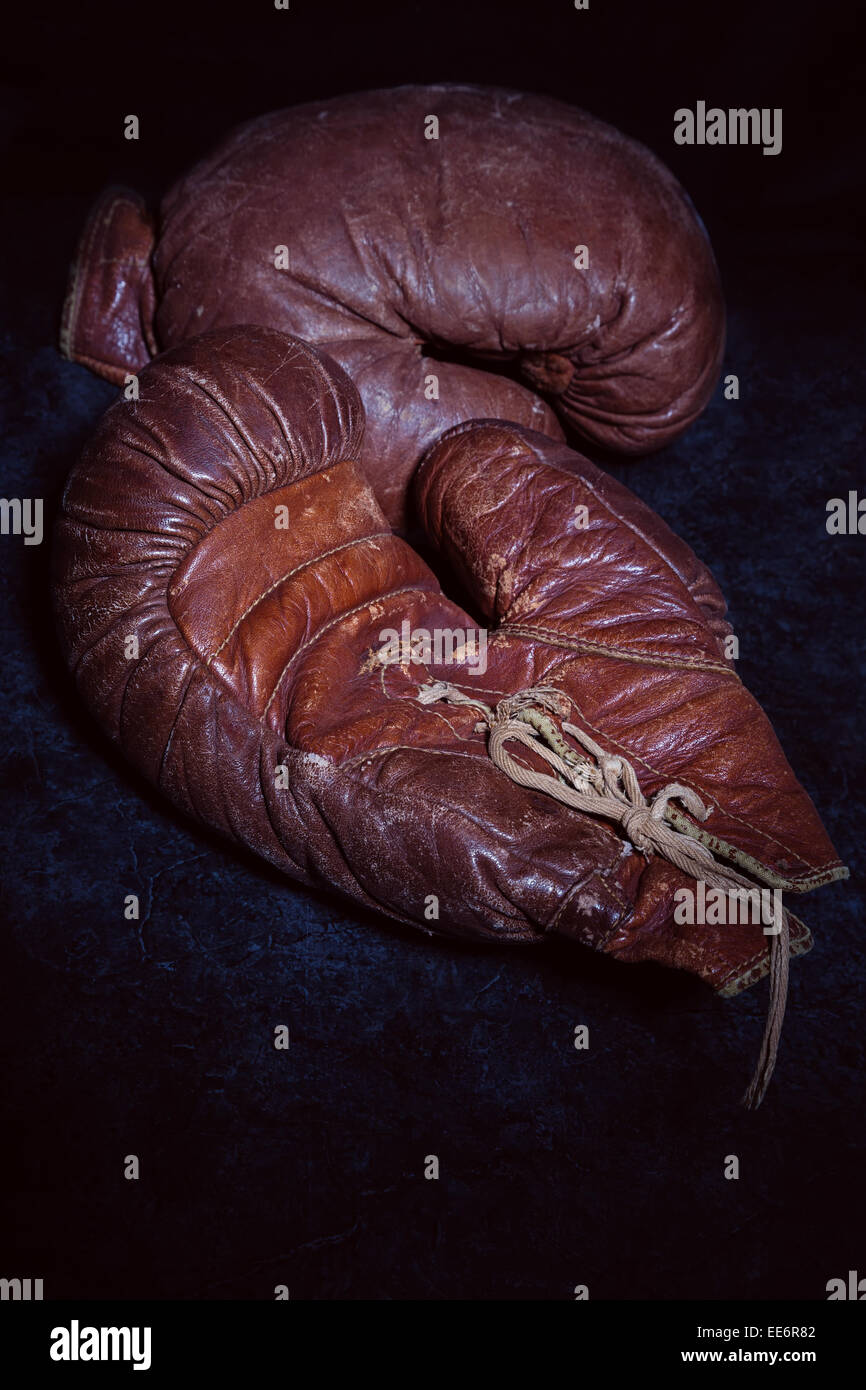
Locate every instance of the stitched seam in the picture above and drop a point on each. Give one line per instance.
(758, 958)
(625, 846)
(614, 893)
(652, 659)
(410, 700)
(358, 759)
(73, 302)
(314, 560)
(566, 899)
(109, 371)
(72, 306)
(377, 598)
(622, 903)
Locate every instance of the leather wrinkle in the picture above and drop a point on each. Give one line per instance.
(450, 808)
(706, 795)
(297, 569)
(607, 506)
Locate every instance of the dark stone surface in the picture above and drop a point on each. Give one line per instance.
(262, 1167)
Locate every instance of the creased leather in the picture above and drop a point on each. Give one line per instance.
(258, 703)
(452, 258)
(108, 313)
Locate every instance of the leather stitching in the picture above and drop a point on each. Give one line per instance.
(314, 560)
(602, 649)
(743, 975)
(349, 612)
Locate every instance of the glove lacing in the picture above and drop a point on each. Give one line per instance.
(609, 787)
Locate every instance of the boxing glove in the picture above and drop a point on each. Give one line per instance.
(247, 627)
(525, 248)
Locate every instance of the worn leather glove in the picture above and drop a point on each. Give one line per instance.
(427, 268)
(289, 684)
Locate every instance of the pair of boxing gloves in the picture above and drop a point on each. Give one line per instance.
(338, 309)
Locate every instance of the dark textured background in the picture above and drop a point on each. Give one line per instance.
(557, 1167)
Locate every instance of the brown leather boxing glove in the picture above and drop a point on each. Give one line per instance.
(527, 237)
(223, 523)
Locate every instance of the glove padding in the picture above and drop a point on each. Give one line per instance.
(222, 520)
(411, 259)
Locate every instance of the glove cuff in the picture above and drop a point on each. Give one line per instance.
(107, 321)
